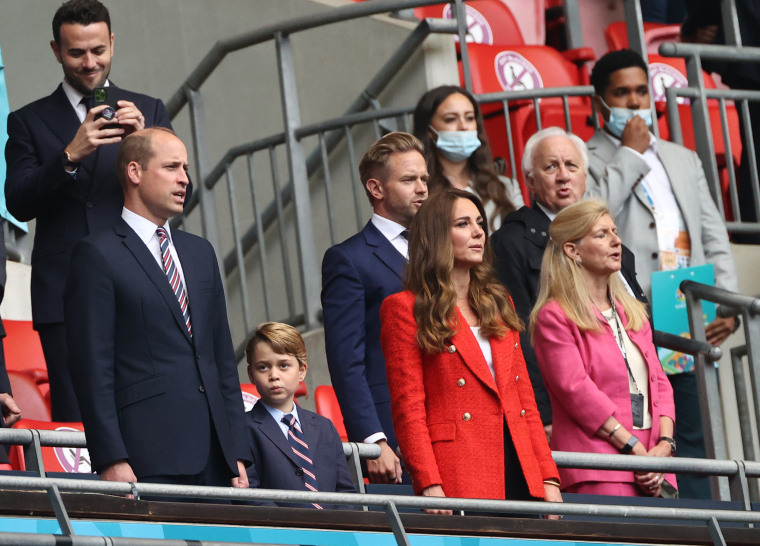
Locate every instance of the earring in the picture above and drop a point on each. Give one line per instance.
(578, 261)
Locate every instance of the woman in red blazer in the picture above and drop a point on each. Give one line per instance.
(595, 351)
(463, 407)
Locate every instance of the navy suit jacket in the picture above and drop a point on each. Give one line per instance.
(275, 466)
(357, 275)
(148, 392)
(66, 209)
(518, 247)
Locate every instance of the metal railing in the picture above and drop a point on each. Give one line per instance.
(713, 425)
(701, 98)
(737, 471)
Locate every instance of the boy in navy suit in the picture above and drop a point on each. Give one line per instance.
(291, 448)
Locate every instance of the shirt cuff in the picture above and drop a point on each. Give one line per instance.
(374, 438)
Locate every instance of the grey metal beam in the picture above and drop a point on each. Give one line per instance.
(310, 284)
(573, 27)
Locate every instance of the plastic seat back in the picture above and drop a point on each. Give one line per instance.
(327, 405)
(22, 346)
(55, 459)
(488, 21)
(616, 35)
(250, 395)
(28, 396)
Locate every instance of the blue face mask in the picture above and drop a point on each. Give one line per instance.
(457, 145)
(620, 116)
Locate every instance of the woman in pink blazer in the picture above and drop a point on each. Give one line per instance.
(595, 351)
(463, 407)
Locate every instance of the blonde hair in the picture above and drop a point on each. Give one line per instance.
(283, 338)
(563, 281)
(431, 260)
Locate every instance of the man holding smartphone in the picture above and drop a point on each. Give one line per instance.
(61, 158)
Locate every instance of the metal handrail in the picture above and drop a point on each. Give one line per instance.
(268, 32)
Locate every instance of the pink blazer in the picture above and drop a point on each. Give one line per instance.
(587, 381)
(448, 412)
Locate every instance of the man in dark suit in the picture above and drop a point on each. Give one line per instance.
(554, 166)
(153, 362)
(357, 275)
(61, 172)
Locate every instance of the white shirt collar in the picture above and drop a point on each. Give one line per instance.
(144, 228)
(387, 227)
(279, 414)
(550, 214)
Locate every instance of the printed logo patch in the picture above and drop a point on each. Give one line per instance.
(516, 73)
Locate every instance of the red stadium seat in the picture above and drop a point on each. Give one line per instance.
(55, 459)
(491, 22)
(23, 352)
(28, 397)
(250, 395)
(616, 35)
(327, 405)
(500, 68)
(488, 21)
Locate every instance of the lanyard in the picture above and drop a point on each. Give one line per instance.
(621, 343)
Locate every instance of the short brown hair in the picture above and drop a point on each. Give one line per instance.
(374, 164)
(282, 338)
(137, 147)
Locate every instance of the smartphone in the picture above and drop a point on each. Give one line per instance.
(111, 96)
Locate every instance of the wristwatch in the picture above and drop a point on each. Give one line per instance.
(68, 164)
(671, 441)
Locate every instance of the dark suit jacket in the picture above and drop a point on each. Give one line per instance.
(66, 209)
(357, 275)
(518, 247)
(148, 392)
(275, 466)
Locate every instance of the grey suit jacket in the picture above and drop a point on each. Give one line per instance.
(615, 173)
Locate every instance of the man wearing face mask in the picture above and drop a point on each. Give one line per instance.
(664, 212)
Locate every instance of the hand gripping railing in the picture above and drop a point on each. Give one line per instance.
(730, 304)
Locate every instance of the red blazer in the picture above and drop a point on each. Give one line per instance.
(448, 412)
(587, 381)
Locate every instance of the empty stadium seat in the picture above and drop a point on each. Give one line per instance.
(491, 22)
(23, 352)
(32, 402)
(616, 35)
(327, 405)
(55, 459)
(250, 395)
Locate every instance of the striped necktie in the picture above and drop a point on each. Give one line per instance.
(301, 449)
(172, 274)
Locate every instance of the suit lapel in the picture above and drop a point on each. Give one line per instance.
(152, 270)
(501, 352)
(384, 250)
(271, 429)
(469, 349)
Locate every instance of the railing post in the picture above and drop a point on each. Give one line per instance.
(297, 165)
(709, 397)
(460, 12)
(205, 197)
(635, 26)
(702, 128)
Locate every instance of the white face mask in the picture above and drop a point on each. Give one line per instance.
(620, 116)
(457, 145)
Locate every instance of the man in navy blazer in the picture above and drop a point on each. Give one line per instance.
(357, 275)
(158, 391)
(61, 171)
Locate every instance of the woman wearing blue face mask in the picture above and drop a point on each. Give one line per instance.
(448, 122)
